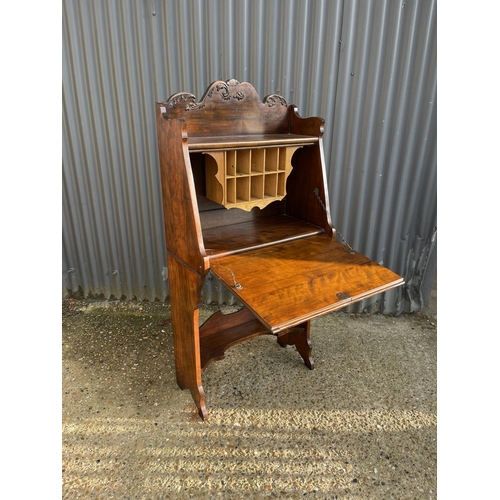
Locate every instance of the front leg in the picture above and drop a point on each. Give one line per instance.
(185, 298)
(299, 337)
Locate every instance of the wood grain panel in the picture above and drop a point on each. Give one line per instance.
(296, 281)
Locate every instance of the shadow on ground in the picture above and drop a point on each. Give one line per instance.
(361, 425)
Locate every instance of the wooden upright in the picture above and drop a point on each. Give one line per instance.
(245, 198)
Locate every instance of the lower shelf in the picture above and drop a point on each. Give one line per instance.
(221, 331)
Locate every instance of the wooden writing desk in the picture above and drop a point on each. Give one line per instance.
(245, 198)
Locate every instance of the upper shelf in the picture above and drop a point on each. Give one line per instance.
(206, 143)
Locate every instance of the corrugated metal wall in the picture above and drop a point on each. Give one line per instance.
(368, 67)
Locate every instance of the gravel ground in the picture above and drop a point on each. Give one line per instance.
(361, 425)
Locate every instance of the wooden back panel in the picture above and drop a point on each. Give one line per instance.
(229, 108)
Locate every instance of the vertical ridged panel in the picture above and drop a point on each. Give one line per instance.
(383, 169)
(111, 191)
(119, 57)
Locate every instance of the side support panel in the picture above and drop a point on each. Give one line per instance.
(180, 208)
(185, 298)
(307, 182)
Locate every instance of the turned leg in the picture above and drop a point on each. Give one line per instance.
(185, 297)
(299, 337)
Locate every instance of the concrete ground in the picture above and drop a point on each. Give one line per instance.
(361, 425)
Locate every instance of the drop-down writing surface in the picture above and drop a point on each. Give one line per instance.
(289, 283)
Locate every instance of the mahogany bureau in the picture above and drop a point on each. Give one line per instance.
(245, 199)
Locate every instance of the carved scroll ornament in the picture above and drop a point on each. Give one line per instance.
(225, 91)
(275, 100)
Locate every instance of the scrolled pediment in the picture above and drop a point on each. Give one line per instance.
(233, 101)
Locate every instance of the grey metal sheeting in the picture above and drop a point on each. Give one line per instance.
(367, 67)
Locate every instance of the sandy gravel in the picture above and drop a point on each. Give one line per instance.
(361, 425)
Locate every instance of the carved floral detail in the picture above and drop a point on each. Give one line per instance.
(194, 105)
(228, 90)
(224, 90)
(275, 99)
(185, 97)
